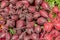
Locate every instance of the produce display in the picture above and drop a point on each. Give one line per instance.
(29, 19)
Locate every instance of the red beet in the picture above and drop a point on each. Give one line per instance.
(26, 4)
(30, 24)
(19, 12)
(31, 9)
(57, 38)
(15, 37)
(58, 15)
(34, 36)
(37, 2)
(48, 37)
(19, 4)
(7, 9)
(41, 20)
(2, 35)
(36, 15)
(50, 15)
(48, 26)
(13, 1)
(57, 25)
(54, 33)
(45, 6)
(19, 32)
(26, 37)
(22, 16)
(4, 4)
(20, 23)
(4, 14)
(30, 1)
(29, 30)
(37, 29)
(12, 11)
(10, 23)
(29, 17)
(14, 17)
(43, 13)
(8, 36)
(55, 9)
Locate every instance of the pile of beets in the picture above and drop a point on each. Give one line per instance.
(29, 20)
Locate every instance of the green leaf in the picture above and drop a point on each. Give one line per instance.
(52, 3)
(59, 6)
(54, 15)
(12, 31)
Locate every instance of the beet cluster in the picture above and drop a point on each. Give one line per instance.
(29, 20)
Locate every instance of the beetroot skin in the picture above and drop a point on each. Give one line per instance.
(29, 20)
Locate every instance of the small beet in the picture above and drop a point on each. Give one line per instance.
(41, 20)
(43, 13)
(45, 6)
(48, 26)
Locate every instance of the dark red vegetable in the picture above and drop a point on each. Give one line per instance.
(29, 20)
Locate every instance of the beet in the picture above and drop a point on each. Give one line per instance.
(38, 2)
(20, 23)
(29, 30)
(36, 15)
(43, 13)
(34, 36)
(55, 9)
(31, 9)
(30, 24)
(14, 17)
(10, 23)
(29, 17)
(19, 4)
(41, 20)
(37, 29)
(4, 4)
(45, 6)
(57, 38)
(30, 1)
(48, 26)
(15, 37)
